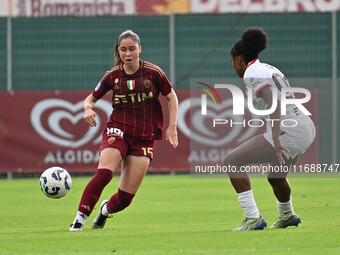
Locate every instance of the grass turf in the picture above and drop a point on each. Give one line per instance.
(169, 215)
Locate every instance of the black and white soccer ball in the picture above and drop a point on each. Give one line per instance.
(55, 182)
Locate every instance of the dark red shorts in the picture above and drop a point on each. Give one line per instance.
(113, 137)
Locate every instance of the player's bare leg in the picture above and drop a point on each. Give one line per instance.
(279, 182)
(282, 191)
(255, 150)
(109, 160)
(133, 172)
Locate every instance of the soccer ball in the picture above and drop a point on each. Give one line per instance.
(55, 182)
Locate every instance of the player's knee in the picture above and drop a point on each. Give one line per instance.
(104, 176)
(275, 181)
(231, 160)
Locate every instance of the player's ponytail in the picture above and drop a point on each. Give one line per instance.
(126, 34)
(253, 42)
(117, 58)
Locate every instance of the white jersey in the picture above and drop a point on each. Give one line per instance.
(296, 139)
(259, 75)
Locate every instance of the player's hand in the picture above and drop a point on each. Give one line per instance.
(171, 136)
(90, 117)
(280, 151)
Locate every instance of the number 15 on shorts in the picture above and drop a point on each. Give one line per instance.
(148, 151)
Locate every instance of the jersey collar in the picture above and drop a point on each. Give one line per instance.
(141, 64)
(252, 62)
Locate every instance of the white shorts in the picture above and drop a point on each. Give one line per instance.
(295, 139)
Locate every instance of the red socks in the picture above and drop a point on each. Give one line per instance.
(119, 201)
(93, 190)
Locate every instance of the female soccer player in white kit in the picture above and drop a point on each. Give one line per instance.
(280, 145)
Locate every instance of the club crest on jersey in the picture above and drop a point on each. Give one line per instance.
(116, 80)
(147, 83)
(131, 84)
(111, 140)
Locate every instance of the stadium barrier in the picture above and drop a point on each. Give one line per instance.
(46, 128)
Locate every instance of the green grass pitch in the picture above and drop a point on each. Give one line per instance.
(169, 215)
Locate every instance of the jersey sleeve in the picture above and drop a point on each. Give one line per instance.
(164, 85)
(159, 78)
(102, 87)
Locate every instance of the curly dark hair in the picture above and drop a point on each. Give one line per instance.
(253, 41)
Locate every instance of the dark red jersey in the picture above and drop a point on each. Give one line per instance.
(136, 108)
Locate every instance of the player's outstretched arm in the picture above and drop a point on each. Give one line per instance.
(171, 131)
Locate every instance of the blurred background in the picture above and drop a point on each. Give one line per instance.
(54, 52)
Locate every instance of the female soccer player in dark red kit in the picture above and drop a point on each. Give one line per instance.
(134, 125)
(280, 145)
